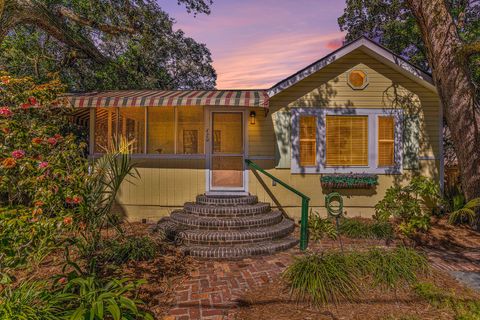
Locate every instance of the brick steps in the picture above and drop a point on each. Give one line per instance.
(191, 221)
(241, 251)
(229, 227)
(226, 200)
(232, 237)
(227, 211)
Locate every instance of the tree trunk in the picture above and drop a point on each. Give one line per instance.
(456, 90)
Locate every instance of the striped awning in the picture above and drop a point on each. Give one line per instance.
(157, 98)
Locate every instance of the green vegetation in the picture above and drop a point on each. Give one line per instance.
(412, 205)
(319, 227)
(330, 277)
(463, 309)
(363, 229)
(131, 249)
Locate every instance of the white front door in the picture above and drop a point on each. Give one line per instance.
(226, 151)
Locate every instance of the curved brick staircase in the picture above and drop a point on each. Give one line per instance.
(230, 227)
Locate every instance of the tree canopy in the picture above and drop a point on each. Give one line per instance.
(103, 44)
(392, 24)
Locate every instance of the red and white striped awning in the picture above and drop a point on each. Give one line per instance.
(158, 98)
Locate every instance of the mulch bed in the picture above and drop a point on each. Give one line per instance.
(162, 274)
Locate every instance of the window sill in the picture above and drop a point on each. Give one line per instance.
(333, 170)
(158, 156)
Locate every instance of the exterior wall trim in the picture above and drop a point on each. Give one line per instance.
(373, 115)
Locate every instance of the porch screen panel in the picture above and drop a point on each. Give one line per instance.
(308, 140)
(347, 140)
(386, 141)
(131, 125)
(161, 130)
(105, 128)
(190, 127)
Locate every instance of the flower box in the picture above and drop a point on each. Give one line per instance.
(349, 181)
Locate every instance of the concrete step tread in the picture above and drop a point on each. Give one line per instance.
(192, 220)
(242, 250)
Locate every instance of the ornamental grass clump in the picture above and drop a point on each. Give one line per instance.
(332, 277)
(322, 278)
(358, 229)
(132, 249)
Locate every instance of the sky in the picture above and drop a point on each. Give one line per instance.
(257, 43)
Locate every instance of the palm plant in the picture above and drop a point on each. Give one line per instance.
(100, 192)
(463, 212)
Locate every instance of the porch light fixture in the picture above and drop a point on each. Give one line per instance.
(253, 115)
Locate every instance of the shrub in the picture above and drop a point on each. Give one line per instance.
(322, 278)
(25, 236)
(412, 205)
(30, 300)
(319, 227)
(41, 161)
(355, 228)
(132, 249)
(330, 277)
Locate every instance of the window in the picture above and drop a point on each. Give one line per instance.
(161, 130)
(347, 140)
(327, 140)
(131, 125)
(386, 141)
(308, 140)
(105, 128)
(168, 130)
(190, 130)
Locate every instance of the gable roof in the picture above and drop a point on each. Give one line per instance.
(369, 47)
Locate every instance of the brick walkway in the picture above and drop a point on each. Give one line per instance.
(213, 289)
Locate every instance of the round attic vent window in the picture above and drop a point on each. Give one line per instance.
(357, 79)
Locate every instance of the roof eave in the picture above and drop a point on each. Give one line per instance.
(369, 47)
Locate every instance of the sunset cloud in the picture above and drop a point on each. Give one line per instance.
(255, 44)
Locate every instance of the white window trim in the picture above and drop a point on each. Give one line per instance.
(373, 114)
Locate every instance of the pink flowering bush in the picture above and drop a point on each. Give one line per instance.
(41, 160)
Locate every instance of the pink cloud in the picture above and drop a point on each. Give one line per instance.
(334, 44)
(267, 61)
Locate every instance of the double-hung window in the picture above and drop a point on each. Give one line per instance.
(363, 140)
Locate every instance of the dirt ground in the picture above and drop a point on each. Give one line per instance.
(273, 301)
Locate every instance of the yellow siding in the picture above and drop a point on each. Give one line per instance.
(167, 184)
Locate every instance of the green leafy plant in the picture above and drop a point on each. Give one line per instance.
(350, 181)
(465, 213)
(30, 300)
(355, 228)
(131, 249)
(319, 227)
(322, 278)
(94, 214)
(412, 205)
(89, 298)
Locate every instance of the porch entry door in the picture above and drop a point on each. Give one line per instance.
(227, 151)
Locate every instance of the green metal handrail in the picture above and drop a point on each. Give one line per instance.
(305, 202)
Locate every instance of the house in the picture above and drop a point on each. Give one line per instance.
(359, 110)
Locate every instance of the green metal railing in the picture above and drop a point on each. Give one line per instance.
(305, 202)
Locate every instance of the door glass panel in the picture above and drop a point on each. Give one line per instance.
(227, 133)
(227, 172)
(227, 150)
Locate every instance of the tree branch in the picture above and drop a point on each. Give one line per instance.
(469, 49)
(110, 29)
